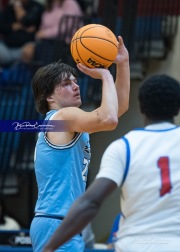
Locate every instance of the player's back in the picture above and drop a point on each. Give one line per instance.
(150, 201)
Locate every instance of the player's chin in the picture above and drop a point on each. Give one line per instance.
(78, 102)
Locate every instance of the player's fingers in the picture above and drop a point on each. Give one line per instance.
(86, 70)
(121, 43)
(82, 68)
(92, 72)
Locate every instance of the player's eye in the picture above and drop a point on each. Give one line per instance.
(65, 83)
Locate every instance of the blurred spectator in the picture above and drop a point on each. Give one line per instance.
(55, 10)
(20, 20)
(49, 27)
(6, 222)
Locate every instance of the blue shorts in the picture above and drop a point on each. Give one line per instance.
(42, 228)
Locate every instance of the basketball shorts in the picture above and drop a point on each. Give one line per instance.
(42, 228)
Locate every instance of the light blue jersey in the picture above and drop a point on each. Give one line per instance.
(61, 174)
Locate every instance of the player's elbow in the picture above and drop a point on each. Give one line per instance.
(106, 120)
(110, 122)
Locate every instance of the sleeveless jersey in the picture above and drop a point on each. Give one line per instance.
(61, 172)
(146, 164)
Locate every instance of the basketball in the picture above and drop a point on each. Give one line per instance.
(94, 46)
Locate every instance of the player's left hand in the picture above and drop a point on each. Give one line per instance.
(122, 55)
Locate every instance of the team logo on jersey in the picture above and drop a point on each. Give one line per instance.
(87, 148)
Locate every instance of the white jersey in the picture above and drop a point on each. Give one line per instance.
(146, 164)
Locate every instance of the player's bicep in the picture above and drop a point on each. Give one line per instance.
(77, 120)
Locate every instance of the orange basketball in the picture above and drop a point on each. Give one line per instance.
(94, 45)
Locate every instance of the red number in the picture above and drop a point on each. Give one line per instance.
(163, 164)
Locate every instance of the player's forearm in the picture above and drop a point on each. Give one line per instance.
(123, 86)
(108, 110)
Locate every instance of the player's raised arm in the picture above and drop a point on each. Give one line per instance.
(122, 77)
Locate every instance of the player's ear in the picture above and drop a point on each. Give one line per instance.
(49, 98)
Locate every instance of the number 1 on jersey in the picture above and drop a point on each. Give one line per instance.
(163, 165)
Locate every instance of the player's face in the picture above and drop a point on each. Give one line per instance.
(67, 94)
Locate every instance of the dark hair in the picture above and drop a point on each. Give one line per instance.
(2, 211)
(46, 79)
(159, 97)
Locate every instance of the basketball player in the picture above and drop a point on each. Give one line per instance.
(145, 163)
(62, 158)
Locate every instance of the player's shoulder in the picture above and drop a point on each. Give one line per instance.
(121, 139)
(151, 129)
(117, 145)
(133, 132)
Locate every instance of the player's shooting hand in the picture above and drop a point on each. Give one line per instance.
(96, 73)
(123, 55)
